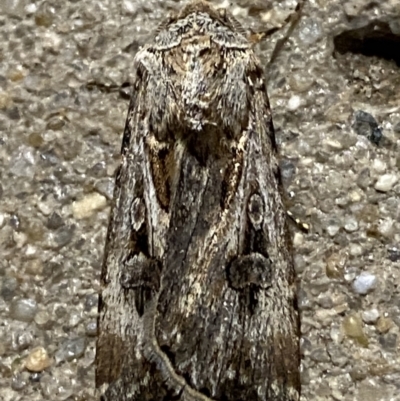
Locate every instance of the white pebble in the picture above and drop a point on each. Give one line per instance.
(354, 196)
(298, 240)
(31, 8)
(336, 334)
(371, 315)
(385, 182)
(129, 7)
(294, 102)
(332, 144)
(351, 224)
(332, 229)
(379, 166)
(364, 283)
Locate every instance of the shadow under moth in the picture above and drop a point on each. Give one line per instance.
(198, 297)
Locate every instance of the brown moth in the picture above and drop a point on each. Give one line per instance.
(198, 294)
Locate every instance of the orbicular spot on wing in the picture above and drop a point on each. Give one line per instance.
(256, 210)
(256, 235)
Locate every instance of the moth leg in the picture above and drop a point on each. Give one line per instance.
(293, 19)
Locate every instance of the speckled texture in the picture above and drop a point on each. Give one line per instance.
(59, 145)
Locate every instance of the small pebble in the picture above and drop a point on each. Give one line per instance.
(31, 8)
(22, 163)
(74, 318)
(379, 166)
(336, 355)
(386, 227)
(91, 328)
(298, 239)
(105, 186)
(19, 239)
(353, 8)
(294, 103)
(55, 123)
(87, 206)
(63, 236)
(370, 316)
(332, 228)
(389, 341)
(309, 31)
(332, 144)
(336, 334)
(71, 349)
(351, 224)
(335, 265)
(354, 196)
(364, 283)
(19, 381)
(386, 182)
(366, 125)
(355, 249)
(98, 170)
(37, 360)
(384, 324)
(319, 355)
(358, 373)
(8, 288)
(129, 7)
(23, 310)
(91, 301)
(22, 339)
(353, 328)
(42, 319)
(34, 267)
(55, 221)
(364, 178)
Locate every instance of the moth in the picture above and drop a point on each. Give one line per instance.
(198, 298)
